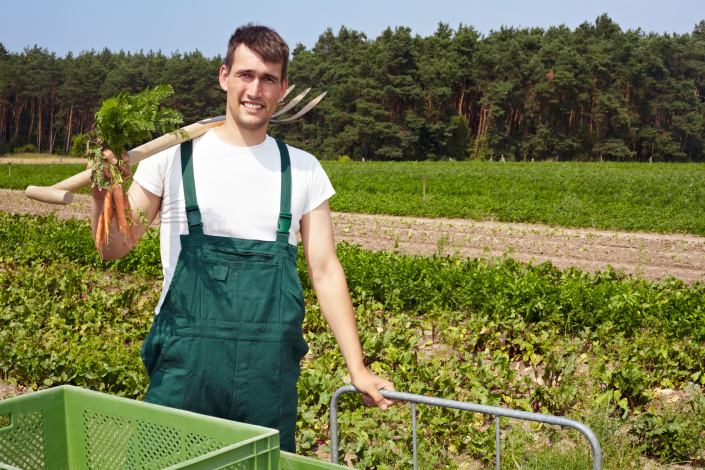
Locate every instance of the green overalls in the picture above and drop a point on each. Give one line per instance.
(228, 339)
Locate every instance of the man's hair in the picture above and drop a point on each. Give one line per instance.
(262, 40)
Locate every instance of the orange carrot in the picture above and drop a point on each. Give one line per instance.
(100, 234)
(130, 222)
(119, 196)
(108, 210)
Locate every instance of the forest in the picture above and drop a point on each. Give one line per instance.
(595, 93)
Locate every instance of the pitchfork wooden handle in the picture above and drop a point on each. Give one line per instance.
(62, 192)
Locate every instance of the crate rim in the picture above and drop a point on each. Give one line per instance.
(134, 402)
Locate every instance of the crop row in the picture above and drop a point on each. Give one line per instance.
(19, 176)
(603, 348)
(611, 196)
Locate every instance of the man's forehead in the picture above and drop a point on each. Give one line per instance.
(247, 60)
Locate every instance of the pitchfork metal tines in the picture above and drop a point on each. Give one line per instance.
(293, 103)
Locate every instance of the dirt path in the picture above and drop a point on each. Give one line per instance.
(650, 255)
(44, 160)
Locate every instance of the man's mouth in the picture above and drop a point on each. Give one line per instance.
(252, 105)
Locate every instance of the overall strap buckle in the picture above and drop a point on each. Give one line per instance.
(193, 215)
(284, 223)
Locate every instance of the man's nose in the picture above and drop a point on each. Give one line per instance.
(255, 88)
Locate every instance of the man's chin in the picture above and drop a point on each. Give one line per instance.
(251, 124)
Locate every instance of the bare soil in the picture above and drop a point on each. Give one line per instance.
(11, 390)
(652, 256)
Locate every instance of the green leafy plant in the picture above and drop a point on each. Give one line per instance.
(127, 120)
(495, 332)
(675, 435)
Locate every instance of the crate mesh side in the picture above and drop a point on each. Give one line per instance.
(108, 440)
(116, 442)
(159, 446)
(198, 445)
(23, 447)
(246, 465)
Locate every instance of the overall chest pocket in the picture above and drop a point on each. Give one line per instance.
(242, 286)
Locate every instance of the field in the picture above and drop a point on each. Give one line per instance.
(20, 175)
(661, 198)
(613, 348)
(664, 198)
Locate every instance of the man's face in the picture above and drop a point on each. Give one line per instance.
(254, 87)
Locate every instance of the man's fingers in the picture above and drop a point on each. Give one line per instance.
(375, 398)
(126, 170)
(111, 159)
(380, 400)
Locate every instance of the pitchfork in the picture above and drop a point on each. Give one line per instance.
(62, 192)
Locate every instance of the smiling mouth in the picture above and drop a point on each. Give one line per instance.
(252, 105)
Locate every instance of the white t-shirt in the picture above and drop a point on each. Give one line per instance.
(238, 191)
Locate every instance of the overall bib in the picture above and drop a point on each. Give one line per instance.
(228, 339)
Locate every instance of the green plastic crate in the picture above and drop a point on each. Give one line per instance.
(71, 428)
(297, 462)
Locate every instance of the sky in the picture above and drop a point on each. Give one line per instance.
(179, 26)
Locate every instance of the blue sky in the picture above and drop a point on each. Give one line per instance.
(170, 26)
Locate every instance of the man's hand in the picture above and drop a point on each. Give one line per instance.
(370, 384)
(108, 159)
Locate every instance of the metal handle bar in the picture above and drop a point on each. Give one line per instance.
(459, 405)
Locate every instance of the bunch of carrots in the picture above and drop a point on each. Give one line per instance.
(116, 206)
(123, 121)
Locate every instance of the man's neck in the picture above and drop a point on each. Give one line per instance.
(232, 134)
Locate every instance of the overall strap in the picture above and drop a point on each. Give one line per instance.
(193, 214)
(284, 223)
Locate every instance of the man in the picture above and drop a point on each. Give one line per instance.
(227, 338)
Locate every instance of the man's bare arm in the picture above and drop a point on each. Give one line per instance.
(328, 279)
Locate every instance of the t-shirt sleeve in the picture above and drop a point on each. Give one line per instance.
(151, 172)
(320, 187)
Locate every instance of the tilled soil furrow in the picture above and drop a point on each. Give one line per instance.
(652, 256)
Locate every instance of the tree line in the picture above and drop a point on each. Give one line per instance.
(47, 101)
(592, 93)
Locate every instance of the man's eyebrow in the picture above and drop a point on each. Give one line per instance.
(254, 72)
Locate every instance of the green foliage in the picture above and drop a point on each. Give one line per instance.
(39, 174)
(126, 120)
(459, 140)
(529, 93)
(80, 145)
(67, 317)
(597, 348)
(610, 196)
(344, 159)
(29, 148)
(676, 434)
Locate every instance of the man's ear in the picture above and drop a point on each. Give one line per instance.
(223, 77)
